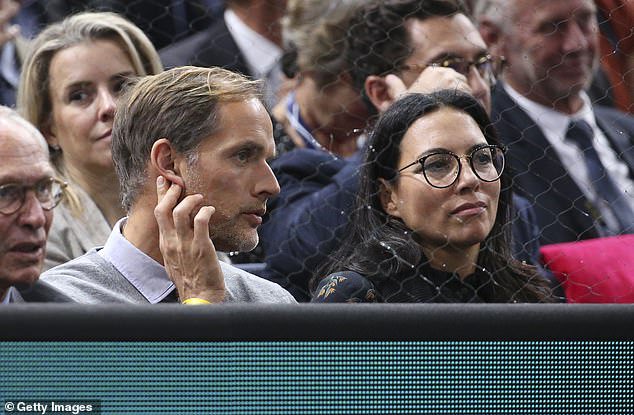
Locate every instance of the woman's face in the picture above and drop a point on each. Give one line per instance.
(459, 216)
(85, 83)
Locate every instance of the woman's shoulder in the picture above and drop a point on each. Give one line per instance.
(345, 287)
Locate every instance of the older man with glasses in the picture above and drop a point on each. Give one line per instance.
(28, 193)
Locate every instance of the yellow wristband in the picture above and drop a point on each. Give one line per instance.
(195, 301)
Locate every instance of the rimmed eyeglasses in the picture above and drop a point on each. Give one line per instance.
(49, 192)
(442, 169)
(488, 66)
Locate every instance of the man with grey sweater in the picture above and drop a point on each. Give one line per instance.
(190, 147)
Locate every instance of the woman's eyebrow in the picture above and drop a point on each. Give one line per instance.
(433, 150)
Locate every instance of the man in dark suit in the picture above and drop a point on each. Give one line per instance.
(572, 159)
(163, 21)
(246, 39)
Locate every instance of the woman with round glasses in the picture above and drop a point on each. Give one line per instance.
(71, 80)
(430, 223)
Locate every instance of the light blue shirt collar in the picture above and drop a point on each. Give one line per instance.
(12, 296)
(143, 272)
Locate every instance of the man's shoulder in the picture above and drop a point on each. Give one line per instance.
(212, 47)
(244, 287)
(298, 155)
(182, 51)
(82, 266)
(90, 279)
(305, 162)
(620, 118)
(501, 100)
(618, 128)
(43, 292)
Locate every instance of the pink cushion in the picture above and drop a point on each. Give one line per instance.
(594, 271)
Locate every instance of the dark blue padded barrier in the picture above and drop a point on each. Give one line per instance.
(322, 359)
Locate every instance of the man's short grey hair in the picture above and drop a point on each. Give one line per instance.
(8, 115)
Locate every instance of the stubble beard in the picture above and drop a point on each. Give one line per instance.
(228, 237)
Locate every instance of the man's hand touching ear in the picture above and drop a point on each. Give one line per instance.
(189, 255)
(431, 79)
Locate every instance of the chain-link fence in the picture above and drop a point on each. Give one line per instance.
(332, 68)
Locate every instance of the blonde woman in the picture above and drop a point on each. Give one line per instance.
(70, 83)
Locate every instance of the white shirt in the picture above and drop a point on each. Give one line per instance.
(262, 56)
(554, 126)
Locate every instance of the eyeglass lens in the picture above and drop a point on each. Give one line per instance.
(48, 192)
(442, 169)
(483, 65)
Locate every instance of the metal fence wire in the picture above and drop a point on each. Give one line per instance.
(330, 69)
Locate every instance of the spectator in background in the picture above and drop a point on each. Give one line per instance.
(163, 21)
(323, 110)
(574, 161)
(69, 87)
(355, 62)
(430, 221)
(28, 193)
(200, 138)
(246, 39)
(20, 21)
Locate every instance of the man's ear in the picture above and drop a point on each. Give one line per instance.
(389, 198)
(378, 92)
(165, 161)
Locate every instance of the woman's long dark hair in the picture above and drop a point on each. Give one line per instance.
(380, 246)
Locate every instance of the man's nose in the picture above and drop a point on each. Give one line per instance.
(31, 212)
(575, 39)
(268, 183)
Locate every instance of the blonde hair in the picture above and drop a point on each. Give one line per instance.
(182, 105)
(34, 100)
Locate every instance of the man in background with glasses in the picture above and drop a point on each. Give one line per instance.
(28, 193)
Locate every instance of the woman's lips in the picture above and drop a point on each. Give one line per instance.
(469, 209)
